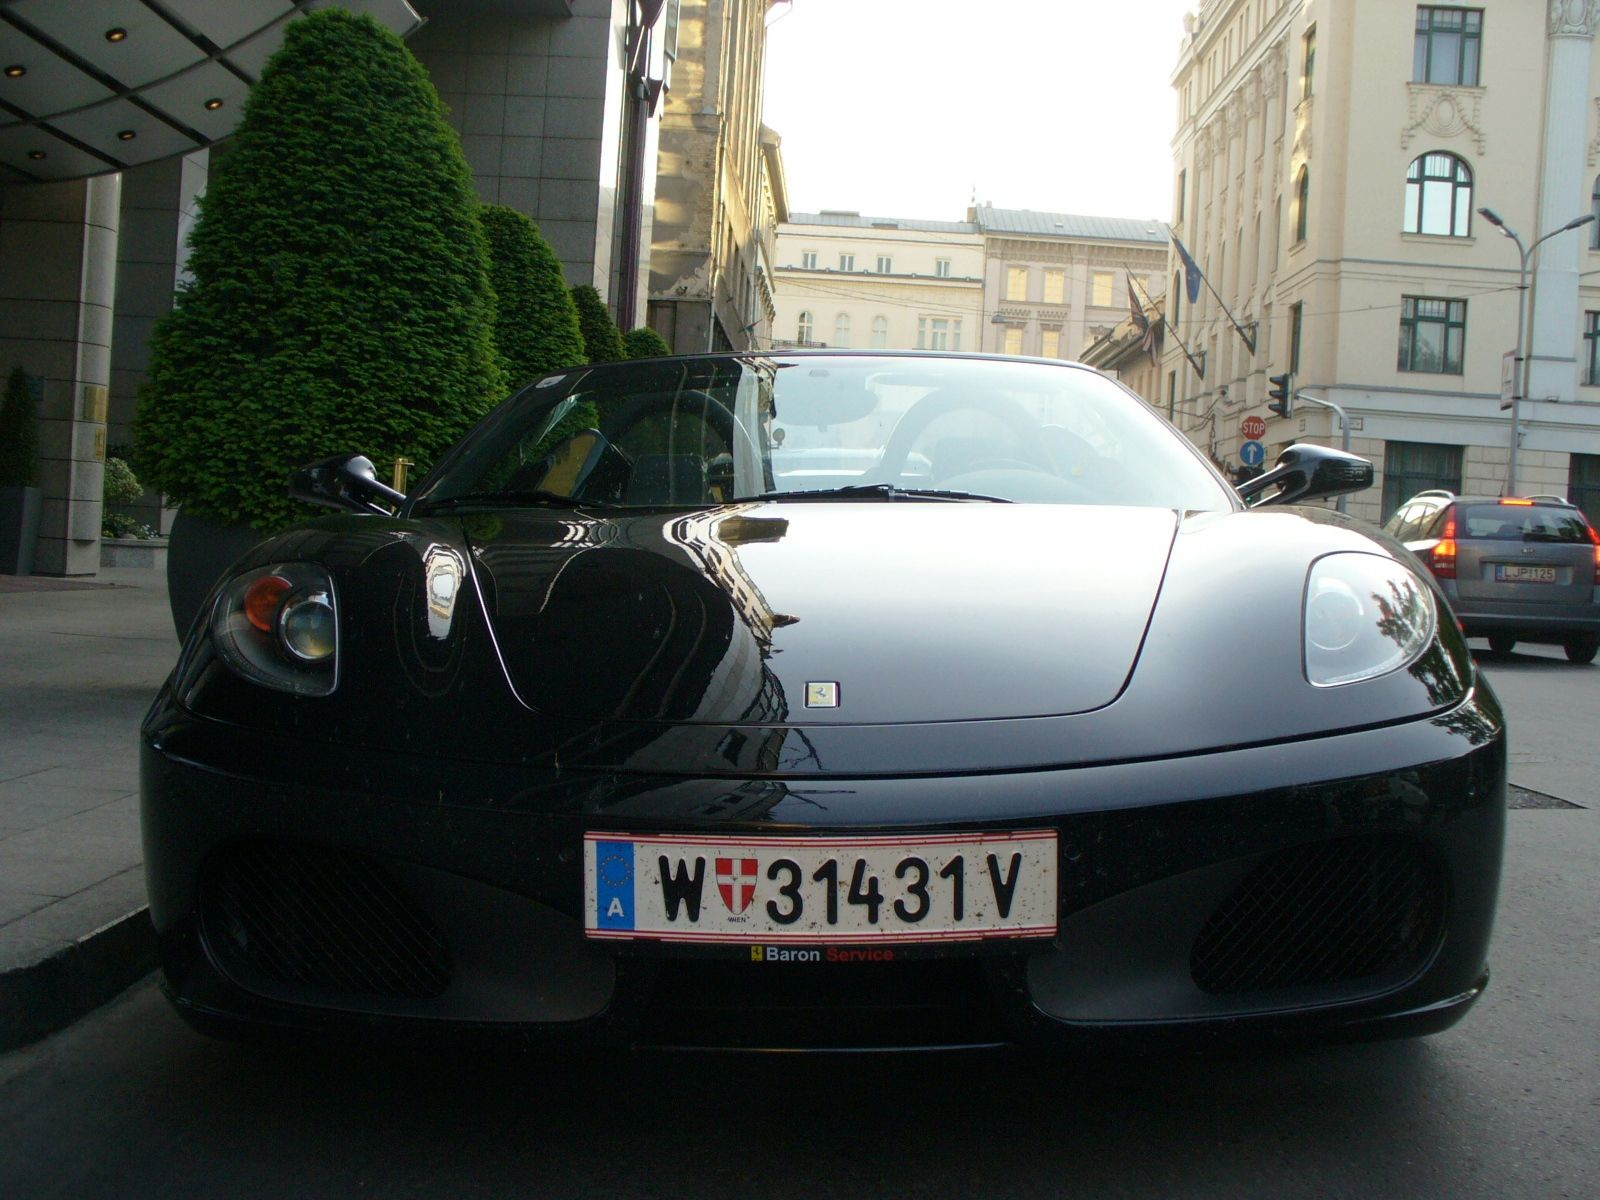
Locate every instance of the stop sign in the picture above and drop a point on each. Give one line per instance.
(1253, 427)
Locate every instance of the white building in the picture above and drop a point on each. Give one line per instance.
(1331, 156)
(847, 280)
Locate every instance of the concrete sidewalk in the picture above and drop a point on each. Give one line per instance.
(80, 662)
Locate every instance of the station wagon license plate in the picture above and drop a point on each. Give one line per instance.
(1522, 573)
(879, 890)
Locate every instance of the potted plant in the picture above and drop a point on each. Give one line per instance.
(339, 298)
(536, 321)
(19, 474)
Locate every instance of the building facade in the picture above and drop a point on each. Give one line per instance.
(1055, 282)
(1330, 161)
(845, 280)
(708, 288)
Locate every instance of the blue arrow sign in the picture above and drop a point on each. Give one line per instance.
(1252, 454)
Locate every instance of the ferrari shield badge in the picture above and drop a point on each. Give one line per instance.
(822, 695)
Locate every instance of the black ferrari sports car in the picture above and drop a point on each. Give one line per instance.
(826, 700)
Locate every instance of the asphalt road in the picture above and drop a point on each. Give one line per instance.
(129, 1103)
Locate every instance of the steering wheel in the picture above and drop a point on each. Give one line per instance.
(1000, 409)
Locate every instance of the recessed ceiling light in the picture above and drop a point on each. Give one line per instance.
(126, 135)
(36, 155)
(213, 104)
(16, 71)
(117, 35)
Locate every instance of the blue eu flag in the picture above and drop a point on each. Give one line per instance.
(614, 880)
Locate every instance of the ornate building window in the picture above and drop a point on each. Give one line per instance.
(941, 268)
(1102, 289)
(1308, 59)
(847, 262)
(841, 329)
(1594, 207)
(804, 328)
(808, 260)
(1439, 196)
(880, 332)
(885, 265)
(1055, 287)
(1016, 283)
(1449, 42)
(1013, 344)
(1433, 334)
(1302, 203)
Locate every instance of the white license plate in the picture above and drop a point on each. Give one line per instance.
(817, 890)
(1520, 573)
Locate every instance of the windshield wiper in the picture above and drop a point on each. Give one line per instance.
(876, 491)
(511, 500)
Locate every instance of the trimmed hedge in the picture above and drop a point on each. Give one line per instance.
(645, 342)
(536, 322)
(340, 296)
(19, 433)
(602, 340)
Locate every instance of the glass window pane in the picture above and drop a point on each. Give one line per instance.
(1436, 207)
(1427, 346)
(1445, 59)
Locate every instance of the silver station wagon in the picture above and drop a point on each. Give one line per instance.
(1514, 568)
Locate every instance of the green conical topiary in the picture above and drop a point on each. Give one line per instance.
(644, 342)
(602, 340)
(536, 322)
(340, 296)
(19, 433)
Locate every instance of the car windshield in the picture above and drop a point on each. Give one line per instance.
(722, 429)
(1523, 523)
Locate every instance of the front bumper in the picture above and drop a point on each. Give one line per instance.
(301, 888)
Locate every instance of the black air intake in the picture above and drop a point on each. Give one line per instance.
(1334, 912)
(320, 918)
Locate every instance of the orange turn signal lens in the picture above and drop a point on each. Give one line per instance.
(262, 601)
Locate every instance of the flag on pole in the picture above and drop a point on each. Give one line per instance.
(1135, 309)
(1191, 271)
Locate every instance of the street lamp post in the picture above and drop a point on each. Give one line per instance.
(1519, 360)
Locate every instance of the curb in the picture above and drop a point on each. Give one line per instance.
(46, 996)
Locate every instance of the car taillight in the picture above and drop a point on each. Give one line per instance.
(1442, 558)
(1595, 538)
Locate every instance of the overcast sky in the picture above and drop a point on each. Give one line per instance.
(902, 108)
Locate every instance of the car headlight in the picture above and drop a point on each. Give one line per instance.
(279, 626)
(1365, 615)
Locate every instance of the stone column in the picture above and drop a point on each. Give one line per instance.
(158, 206)
(58, 264)
(1553, 333)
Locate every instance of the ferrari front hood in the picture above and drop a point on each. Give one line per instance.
(821, 612)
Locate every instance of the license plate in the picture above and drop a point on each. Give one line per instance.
(1522, 573)
(882, 890)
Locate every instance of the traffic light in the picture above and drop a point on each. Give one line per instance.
(1282, 393)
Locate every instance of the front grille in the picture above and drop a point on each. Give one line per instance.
(1335, 912)
(306, 916)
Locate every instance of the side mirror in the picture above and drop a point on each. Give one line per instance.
(345, 481)
(1310, 472)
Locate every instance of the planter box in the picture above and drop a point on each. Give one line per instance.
(134, 552)
(19, 529)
